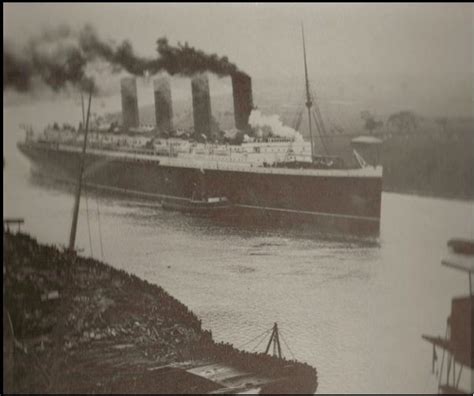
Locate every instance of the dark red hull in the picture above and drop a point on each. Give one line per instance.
(335, 203)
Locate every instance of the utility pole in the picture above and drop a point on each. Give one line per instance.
(72, 236)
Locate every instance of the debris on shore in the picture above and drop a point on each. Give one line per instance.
(77, 325)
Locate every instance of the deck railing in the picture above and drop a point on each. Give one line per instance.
(197, 162)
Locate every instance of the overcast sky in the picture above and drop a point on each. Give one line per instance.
(264, 39)
(433, 42)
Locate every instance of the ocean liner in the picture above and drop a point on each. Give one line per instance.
(255, 177)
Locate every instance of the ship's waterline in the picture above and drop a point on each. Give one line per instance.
(337, 200)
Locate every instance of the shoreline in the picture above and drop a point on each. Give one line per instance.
(428, 194)
(79, 325)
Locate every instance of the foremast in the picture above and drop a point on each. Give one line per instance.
(309, 102)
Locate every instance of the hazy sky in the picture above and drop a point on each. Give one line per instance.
(264, 39)
(433, 43)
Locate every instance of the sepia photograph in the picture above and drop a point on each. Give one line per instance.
(238, 198)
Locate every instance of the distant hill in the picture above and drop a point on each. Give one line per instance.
(434, 159)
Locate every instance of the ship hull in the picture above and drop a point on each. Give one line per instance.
(329, 203)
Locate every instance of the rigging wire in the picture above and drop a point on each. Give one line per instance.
(298, 118)
(341, 126)
(88, 221)
(255, 338)
(317, 111)
(314, 112)
(300, 108)
(320, 134)
(263, 339)
(316, 121)
(284, 340)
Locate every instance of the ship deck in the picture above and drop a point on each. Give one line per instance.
(222, 164)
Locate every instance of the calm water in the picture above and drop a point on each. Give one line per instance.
(354, 311)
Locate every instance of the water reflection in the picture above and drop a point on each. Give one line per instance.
(151, 211)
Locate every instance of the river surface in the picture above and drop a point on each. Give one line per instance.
(355, 311)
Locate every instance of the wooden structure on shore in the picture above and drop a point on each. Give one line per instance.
(112, 332)
(457, 344)
(13, 221)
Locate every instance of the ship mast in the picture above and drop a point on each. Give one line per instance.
(275, 338)
(309, 102)
(72, 236)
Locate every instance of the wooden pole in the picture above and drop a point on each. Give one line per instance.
(72, 236)
(277, 340)
(270, 340)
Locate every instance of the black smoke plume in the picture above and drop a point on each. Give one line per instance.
(60, 57)
(53, 57)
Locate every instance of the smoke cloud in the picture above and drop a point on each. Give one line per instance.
(61, 56)
(273, 125)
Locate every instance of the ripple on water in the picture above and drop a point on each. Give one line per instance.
(241, 269)
(352, 309)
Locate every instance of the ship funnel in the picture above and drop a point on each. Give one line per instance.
(243, 102)
(128, 87)
(163, 105)
(201, 105)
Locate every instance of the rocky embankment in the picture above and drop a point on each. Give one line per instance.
(77, 325)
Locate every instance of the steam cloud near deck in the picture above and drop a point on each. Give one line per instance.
(273, 125)
(61, 56)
